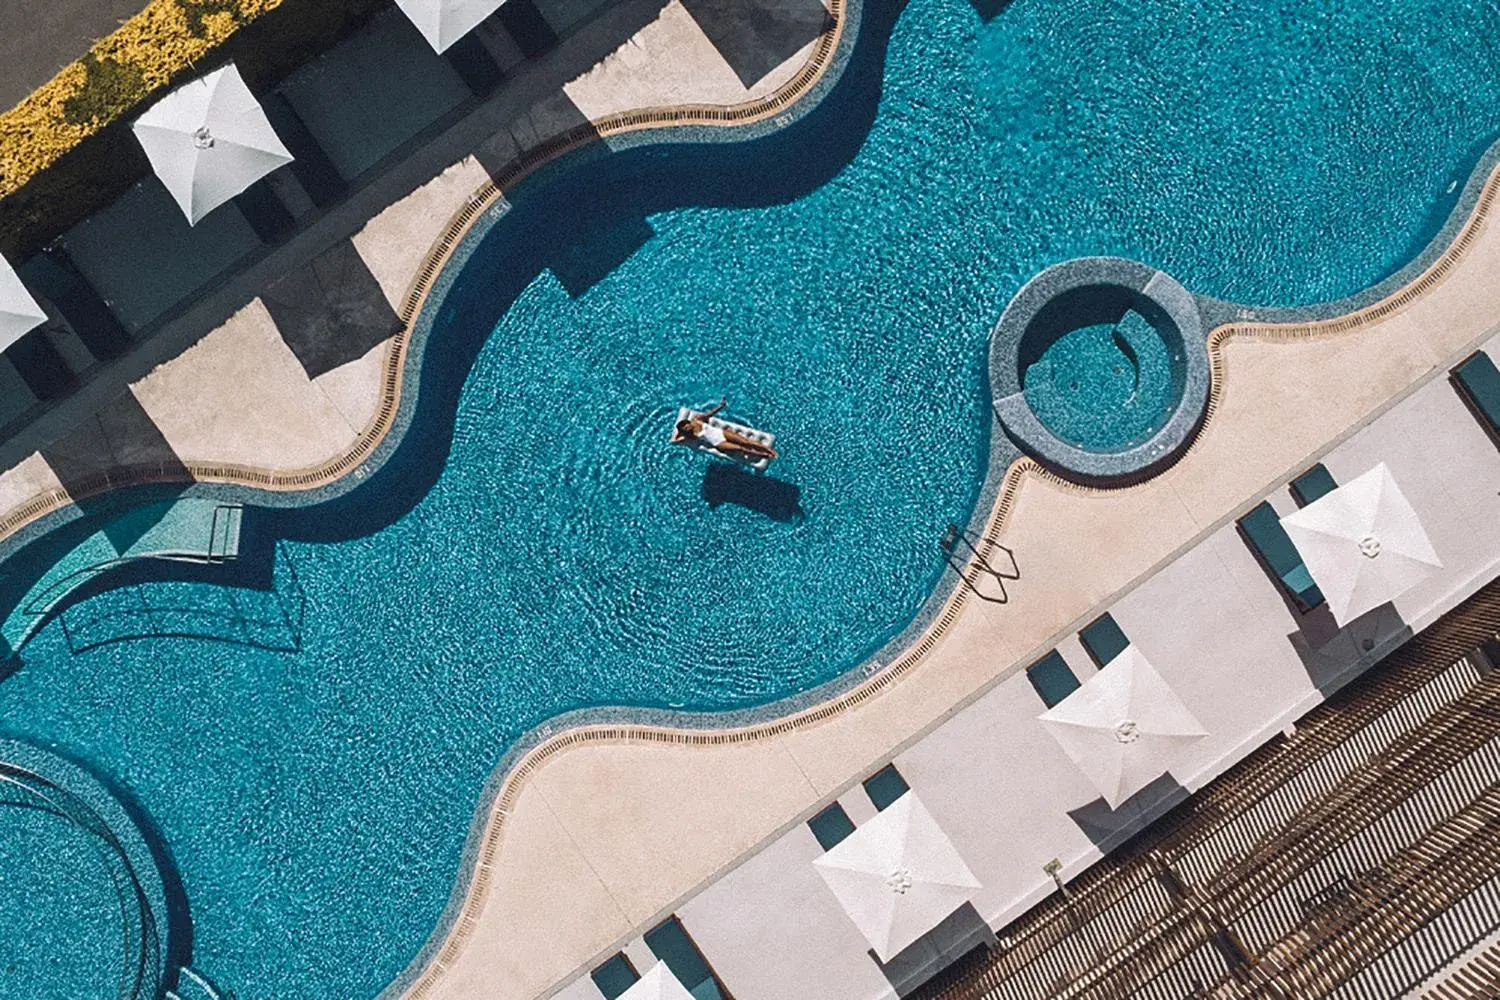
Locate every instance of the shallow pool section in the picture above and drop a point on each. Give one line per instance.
(82, 894)
(1103, 387)
(312, 766)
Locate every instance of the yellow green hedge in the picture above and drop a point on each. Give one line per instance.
(158, 45)
(60, 157)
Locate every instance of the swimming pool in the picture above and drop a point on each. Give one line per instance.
(836, 284)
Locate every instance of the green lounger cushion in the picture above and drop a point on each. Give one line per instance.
(885, 786)
(1312, 485)
(1262, 530)
(1479, 381)
(1052, 678)
(1104, 639)
(669, 941)
(831, 826)
(615, 977)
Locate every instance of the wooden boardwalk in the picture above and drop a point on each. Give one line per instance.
(1356, 859)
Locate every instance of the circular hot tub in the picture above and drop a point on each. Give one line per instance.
(83, 900)
(1100, 370)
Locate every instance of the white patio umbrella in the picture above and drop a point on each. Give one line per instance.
(1363, 544)
(19, 312)
(443, 22)
(898, 876)
(208, 140)
(657, 984)
(1123, 726)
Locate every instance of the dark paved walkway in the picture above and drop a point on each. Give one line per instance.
(40, 37)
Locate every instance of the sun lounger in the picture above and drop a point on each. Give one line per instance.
(885, 786)
(615, 976)
(1262, 531)
(670, 942)
(1312, 485)
(1104, 639)
(1052, 678)
(1478, 384)
(831, 826)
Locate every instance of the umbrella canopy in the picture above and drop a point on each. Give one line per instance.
(443, 22)
(897, 876)
(657, 984)
(19, 312)
(1363, 544)
(208, 140)
(1123, 726)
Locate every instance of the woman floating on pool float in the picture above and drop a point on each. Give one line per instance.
(694, 429)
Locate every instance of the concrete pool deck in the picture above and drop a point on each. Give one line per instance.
(568, 871)
(566, 874)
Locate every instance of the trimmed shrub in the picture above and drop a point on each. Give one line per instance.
(56, 162)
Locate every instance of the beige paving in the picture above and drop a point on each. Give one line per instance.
(537, 841)
(575, 867)
(1281, 405)
(669, 62)
(31, 478)
(395, 244)
(628, 839)
(354, 389)
(239, 395)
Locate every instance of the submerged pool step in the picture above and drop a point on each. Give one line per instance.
(224, 532)
(191, 530)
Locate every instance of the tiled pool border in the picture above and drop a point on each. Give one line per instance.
(1008, 470)
(1024, 426)
(129, 841)
(1006, 473)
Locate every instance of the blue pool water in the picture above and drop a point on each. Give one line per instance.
(1104, 387)
(70, 940)
(837, 285)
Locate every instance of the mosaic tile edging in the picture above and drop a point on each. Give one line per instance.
(1002, 484)
(1186, 335)
(597, 727)
(126, 838)
(318, 483)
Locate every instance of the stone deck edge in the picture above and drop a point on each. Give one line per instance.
(902, 654)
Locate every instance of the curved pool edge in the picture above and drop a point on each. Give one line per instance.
(24, 762)
(1178, 308)
(337, 475)
(1005, 474)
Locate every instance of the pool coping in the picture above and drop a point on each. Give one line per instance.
(128, 841)
(1006, 473)
(1143, 459)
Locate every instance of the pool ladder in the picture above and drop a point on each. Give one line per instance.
(982, 568)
